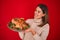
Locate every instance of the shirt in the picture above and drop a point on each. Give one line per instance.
(41, 32)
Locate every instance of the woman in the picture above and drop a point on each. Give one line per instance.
(39, 27)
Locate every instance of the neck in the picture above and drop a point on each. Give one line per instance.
(39, 21)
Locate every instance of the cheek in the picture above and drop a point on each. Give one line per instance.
(40, 15)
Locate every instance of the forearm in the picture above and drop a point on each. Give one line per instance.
(42, 33)
(37, 37)
(21, 35)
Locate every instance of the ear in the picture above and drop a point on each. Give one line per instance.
(43, 15)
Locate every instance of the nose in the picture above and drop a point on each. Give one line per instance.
(36, 13)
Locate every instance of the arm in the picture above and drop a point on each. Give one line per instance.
(42, 33)
(21, 34)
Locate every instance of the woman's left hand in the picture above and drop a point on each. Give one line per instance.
(30, 30)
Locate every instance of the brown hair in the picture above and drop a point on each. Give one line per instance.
(45, 11)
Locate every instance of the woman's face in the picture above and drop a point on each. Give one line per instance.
(38, 13)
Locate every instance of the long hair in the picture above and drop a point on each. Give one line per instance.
(44, 9)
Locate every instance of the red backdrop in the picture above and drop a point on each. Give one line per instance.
(25, 8)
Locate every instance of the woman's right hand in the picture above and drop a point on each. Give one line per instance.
(30, 30)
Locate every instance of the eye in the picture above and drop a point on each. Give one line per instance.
(38, 11)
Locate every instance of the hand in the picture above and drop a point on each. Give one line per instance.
(30, 30)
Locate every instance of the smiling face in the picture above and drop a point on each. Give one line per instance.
(38, 13)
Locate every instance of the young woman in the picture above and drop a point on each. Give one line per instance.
(39, 26)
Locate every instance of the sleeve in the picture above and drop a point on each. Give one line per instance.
(43, 34)
(38, 30)
(29, 21)
(37, 37)
(28, 36)
(21, 35)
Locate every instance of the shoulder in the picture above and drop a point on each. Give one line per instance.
(46, 26)
(29, 21)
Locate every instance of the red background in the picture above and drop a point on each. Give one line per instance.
(25, 8)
